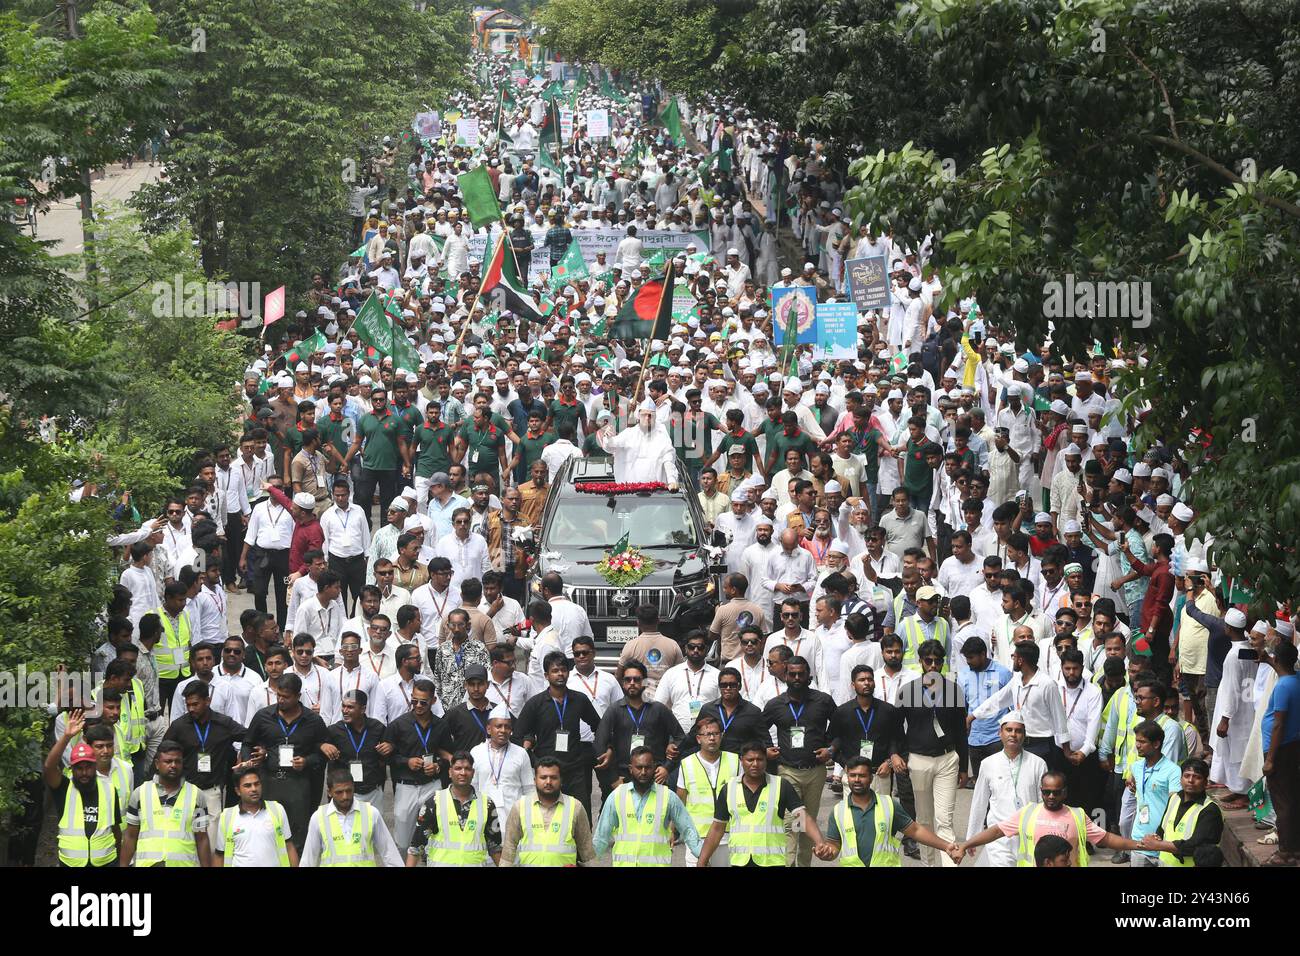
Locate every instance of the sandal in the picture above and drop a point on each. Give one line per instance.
(1236, 803)
(1268, 839)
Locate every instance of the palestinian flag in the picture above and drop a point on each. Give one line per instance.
(647, 314)
(503, 287)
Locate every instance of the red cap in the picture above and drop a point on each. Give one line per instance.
(81, 754)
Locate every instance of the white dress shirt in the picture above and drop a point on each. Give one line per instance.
(601, 689)
(346, 533)
(221, 698)
(1039, 702)
(270, 527)
(241, 684)
(381, 840)
(1004, 788)
(515, 691)
(510, 615)
(208, 612)
(791, 567)
(888, 685)
(861, 652)
(313, 685)
(434, 607)
(569, 620)
(1082, 706)
(684, 691)
(323, 622)
(960, 578)
(339, 681)
(753, 680)
(805, 646)
(143, 585)
(468, 556)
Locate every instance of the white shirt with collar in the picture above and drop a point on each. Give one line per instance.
(511, 614)
(434, 607)
(339, 681)
(270, 527)
(1038, 700)
(313, 685)
(569, 620)
(381, 840)
(221, 698)
(888, 685)
(684, 691)
(796, 566)
(1004, 788)
(753, 680)
(515, 691)
(347, 535)
(241, 684)
(805, 645)
(323, 622)
(468, 556)
(208, 611)
(833, 642)
(1082, 706)
(860, 652)
(601, 688)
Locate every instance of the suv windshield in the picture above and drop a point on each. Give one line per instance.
(590, 521)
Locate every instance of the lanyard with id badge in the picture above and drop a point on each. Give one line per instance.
(562, 735)
(355, 766)
(638, 738)
(796, 732)
(868, 749)
(1143, 809)
(286, 748)
(205, 758)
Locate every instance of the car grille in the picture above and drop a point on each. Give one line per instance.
(598, 602)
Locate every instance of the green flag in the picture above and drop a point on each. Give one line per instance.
(372, 326)
(305, 349)
(545, 159)
(479, 197)
(404, 353)
(671, 119)
(620, 545)
(552, 91)
(359, 252)
(571, 268)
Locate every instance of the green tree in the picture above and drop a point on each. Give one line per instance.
(1119, 143)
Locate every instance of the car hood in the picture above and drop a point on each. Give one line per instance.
(672, 565)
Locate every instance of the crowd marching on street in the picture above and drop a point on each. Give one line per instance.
(947, 567)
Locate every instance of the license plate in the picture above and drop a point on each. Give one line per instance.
(620, 635)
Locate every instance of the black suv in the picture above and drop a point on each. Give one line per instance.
(668, 526)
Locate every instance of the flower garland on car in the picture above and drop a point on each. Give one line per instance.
(618, 488)
(625, 568)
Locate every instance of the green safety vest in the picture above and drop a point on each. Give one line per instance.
(543, 844)
(230, 815)
(165, 834)
(1028, 822)
(173, 651)
(642, 840)
(887, 850)
(75, 848)
(1180, 831)
(913, 637)
(339, 850)
(700, 794)
(757, 835)
(457, 844)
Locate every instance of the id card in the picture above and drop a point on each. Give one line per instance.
(695, 707)
(868, 749)
(286, 756)
(428, 761)
(938, 730)
(205, 763)
(561, 741)
(356, 770)
(796, 737)
(638, 740)
(1144, 814)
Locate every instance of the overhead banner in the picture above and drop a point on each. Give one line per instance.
(592, 241)
(797, 305)
(868, 282)
(837, 331)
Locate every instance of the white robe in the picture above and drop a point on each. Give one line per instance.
(1236, 701)
(641, 456)
(999, 795)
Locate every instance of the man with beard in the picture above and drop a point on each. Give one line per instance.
(644, 453)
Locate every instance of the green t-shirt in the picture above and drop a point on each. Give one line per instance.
(918, 479)
(336, 433)
(591, 448)
(562, 414)
(481, 447)
(744, 440)
(531, 449)
(780, 443)
(434, 445)
(867, 444)
(411, 417)
(693, 435)
(380, 434)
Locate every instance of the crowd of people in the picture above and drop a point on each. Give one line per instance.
(947, 565)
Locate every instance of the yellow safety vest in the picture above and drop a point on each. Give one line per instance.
(173, 651)
(887, 850)
(1026, 842)
(137, 726)
(543, 844)
(339, 850)
(1180, 831)
(165, 834)
(120, 776)
(641, 840)
(279, 820)
(757, 835)
(455, 844)
(700, 794)
(75, 848)
(913, 637)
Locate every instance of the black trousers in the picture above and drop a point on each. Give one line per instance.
(1046, 748)
(367, 482)
(979, 753)
(294, 792)
(512, 586)
(234, 545)
(277, 574)
(903, 789)
(575, 780)
(1085, 783)
(353, 572)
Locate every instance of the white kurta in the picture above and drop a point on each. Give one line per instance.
(1002, 790)
(643, 456)
(1236, 701)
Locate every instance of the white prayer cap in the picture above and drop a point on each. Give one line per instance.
(365, 380)
(1142, 470)
(398, 504)
(1060, 407)
(823, 388)
(793, 384)
(1041, 517)
(1284, 628)
(1146, 514)
(304, 500)
(733, 251)
(412, 379)
(739, 495)
(284, 381)
(500, 712)
(1160, 473)
(1235, 618)
(301, 367)
(1197, 566)
(768, 495)
(413, 523)
(409, 492)
(1071, 527)
(1083, 376)
(760, 388)
(914, 285)
(786, 272)
(839, 547)
(1123, 476)
(809, 267)
(868, 389)
(1020, 365)
(1073, 450)
(647, 406)
(893, 394)
(1166, 501)
(764, 520)
(1012, 717)
(1261, 626)
(1182, 512)
(833, 487)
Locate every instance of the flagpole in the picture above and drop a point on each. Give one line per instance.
(474, 305)
(645, 359)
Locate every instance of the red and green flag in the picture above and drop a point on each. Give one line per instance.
(304, 350)
(648, 312)
(569, 269)
(503, 287)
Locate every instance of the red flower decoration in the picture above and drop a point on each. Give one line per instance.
(618, 488)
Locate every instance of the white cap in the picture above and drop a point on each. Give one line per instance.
(1182, 512)
(793, 384)
(1060, 407)
(1197, 566)
(1166, 501)
(1142, 470)
(893, 394)
(833, 487)
(1073, 450)
(1071, 527)
(1042, 517)
(1011, 717)
(1123, 476)
(500, 712)
(739, 495)
(1235, 618)
(305, 500)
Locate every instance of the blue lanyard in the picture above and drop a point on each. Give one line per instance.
(866, 724)
(203, 737)
(424, 737)
(726, 724)
(797, 716)
(478, 720)
(637, 719)
(288, 731)
(561, 708)
(356, 747)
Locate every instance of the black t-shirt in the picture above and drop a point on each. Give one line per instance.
(787, 802)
